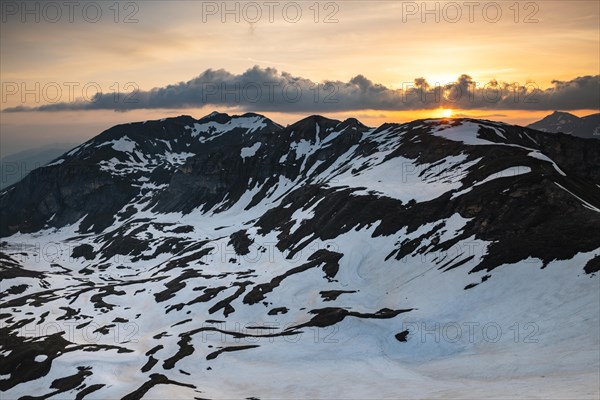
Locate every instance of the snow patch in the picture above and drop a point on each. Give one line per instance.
(250, 151)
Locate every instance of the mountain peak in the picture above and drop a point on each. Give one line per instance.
(352, 123)
(562, 115)
(223, 118)
(217, 117)
(317, 119)
(312, 128)
(556, 112)
(564, 122)
(251, 114)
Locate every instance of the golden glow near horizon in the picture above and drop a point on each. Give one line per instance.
(446, 113)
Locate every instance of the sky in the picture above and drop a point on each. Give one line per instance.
(70, 70)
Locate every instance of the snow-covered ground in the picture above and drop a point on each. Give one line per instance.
(378, 327)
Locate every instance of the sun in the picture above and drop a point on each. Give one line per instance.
(447, 113)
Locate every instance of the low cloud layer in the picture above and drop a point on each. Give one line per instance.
(266, 89)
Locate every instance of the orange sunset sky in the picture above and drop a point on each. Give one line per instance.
(390, 43)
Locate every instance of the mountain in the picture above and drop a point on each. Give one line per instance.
(231, 257)
(585, 127)
(14, 167)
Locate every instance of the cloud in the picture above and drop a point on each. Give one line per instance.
(267, 89)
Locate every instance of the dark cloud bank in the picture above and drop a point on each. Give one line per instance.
(266, 89)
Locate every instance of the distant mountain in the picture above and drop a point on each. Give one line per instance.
(14, 167)
(232, 257)
(584, 127)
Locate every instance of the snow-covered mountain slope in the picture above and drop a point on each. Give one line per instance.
(585, 127)
(230, 257)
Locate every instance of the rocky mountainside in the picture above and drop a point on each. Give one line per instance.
(585, 127)
(231, 257)
(14, 167)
